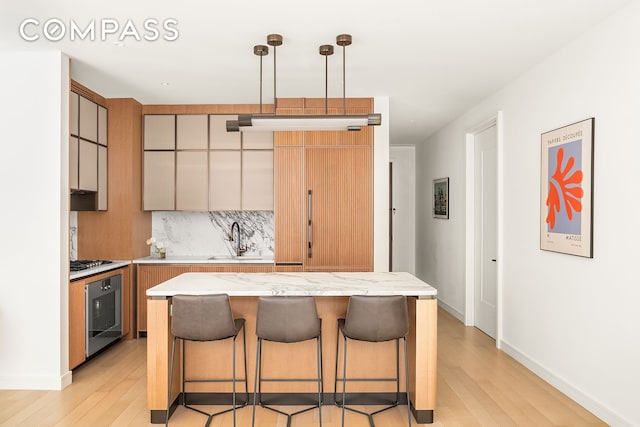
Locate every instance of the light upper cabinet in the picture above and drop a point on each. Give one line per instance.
(214, 169)
(192, 132)
(73, 162)
(257, 141)
(191, 181)
(159, 180)
(219, 138)
(160, 132)
(74, 106)
(88, 123)
(88, 150)
(225, 180)
(88, 169)
(102, 125)
(257, 180)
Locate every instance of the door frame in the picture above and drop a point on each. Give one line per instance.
(470, 255)
(398, 153)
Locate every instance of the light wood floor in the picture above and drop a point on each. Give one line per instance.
(477, 386)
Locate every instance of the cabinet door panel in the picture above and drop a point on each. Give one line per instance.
(77, 337)
(257, 180)
(88, 170)
(191, 181)
(73, 163)
(159, 180)
(88, 119)
(257, 140)
(160, 132)
(219, 137)
(341, 208)
(224, 180)
(289, 204)
(74, 106)
(102, 178)
(102, 125)
(191, 132)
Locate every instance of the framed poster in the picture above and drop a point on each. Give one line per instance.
(441, 198)
(566, 189)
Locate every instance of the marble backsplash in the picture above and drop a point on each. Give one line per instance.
(73, 235)
(206, 233)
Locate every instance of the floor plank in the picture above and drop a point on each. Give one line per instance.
(478, 385)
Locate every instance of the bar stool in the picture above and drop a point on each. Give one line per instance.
(287, 320)
(374, 319)
(205, 318)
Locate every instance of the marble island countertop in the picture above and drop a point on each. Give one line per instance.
(313, 284)
(215, 259)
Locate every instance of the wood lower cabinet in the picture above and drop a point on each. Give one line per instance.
(77, 312)
(150, 275)
(77, 334)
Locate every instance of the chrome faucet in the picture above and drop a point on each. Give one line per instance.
(239, 249)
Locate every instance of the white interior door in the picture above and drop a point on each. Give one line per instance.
(486, 205)
(403, 208)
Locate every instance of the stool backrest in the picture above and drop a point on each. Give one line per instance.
(287, 319)
(377, 318)
(202, 317)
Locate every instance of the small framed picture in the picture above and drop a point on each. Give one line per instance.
(441, 198)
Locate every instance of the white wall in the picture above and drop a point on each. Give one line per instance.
(381, 186)
(34, 253)
(572, 320)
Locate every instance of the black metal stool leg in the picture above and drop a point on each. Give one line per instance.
(344, 377)
(233, 380)
(320, 383)
(406, 376)
(255, 382)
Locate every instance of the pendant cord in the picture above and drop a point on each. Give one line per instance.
(275, 99)
(326, 85)
(344, 89)
(261, 84)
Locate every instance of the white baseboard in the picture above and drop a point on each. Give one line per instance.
(43, 382)
(455, 313)
(588, 402)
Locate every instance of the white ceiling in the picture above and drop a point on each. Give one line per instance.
(433, 58)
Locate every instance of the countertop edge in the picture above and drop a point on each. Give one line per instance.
(97, 270)
(200, 260)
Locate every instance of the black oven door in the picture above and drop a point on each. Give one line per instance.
(104, 313)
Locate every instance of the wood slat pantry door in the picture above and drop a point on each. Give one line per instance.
(340, 206)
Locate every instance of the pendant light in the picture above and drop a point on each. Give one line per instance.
(271, 122)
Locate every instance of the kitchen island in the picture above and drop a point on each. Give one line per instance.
(332, 291)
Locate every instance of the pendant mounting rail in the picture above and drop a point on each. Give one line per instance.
(272, 122)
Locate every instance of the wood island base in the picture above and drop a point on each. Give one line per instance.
(212, 360)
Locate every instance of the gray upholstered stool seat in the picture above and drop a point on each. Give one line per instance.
(374, 319)
(205, 318)
(287, 320)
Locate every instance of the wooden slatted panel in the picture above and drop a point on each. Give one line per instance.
(342, 232)
(206, 109)
(292, 138)
(289, 268)
(121, 231)
(288, 204)
(77, 336)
